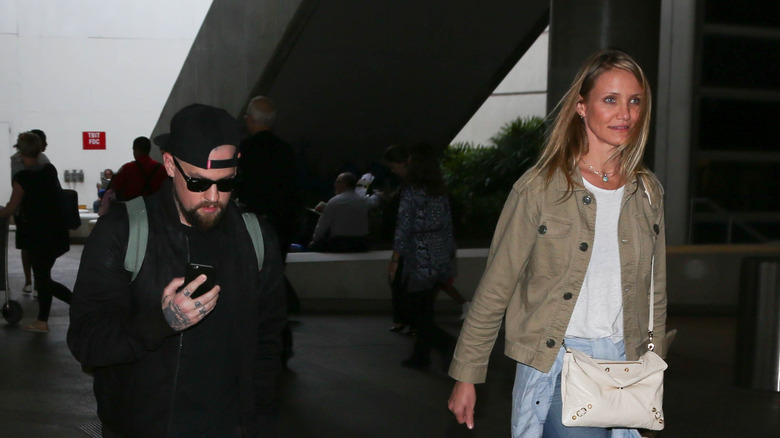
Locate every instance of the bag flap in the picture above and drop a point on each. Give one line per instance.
(617, 376)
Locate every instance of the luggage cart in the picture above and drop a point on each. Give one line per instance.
(12, 310)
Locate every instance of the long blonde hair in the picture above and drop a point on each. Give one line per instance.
(567, 140)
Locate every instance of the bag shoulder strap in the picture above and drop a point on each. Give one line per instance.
(256, 234)
(651, 305)
(138, 236)
(147, 188)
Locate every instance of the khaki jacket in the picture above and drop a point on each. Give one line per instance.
(536, 266)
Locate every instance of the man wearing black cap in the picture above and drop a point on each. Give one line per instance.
(165, 363)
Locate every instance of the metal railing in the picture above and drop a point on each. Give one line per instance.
(732, 219)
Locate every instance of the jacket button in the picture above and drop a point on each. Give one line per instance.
(656, 228)
(542, 229)
(587, 199)
(551, 343)
(567, 296)
(584, 246)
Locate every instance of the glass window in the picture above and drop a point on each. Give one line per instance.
(740, 63)
(740, 186)
(737, 125)
(765, 13)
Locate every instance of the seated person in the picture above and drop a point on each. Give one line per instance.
(343, 226)
(105, 180)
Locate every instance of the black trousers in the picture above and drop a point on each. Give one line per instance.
(430, 336)
(400, 311)
(42, 262)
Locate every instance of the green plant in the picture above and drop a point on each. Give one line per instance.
(479, 177)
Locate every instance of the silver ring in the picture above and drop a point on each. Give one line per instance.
(198, 304)
(187, 292)
(202, 311)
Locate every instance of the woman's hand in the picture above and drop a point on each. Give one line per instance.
(462, 402)
(391, 270)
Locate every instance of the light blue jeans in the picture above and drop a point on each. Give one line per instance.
(536, 396)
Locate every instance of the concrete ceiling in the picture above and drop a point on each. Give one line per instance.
(351, 77)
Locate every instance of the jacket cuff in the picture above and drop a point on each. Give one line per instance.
(468, 372)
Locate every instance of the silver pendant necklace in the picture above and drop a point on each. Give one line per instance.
(603, 175)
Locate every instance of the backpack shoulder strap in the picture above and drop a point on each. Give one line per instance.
(256, 234)
(138, 236)
(147, 177)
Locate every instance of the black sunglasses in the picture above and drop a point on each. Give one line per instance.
(203, 184)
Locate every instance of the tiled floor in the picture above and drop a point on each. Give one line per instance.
(345, 381)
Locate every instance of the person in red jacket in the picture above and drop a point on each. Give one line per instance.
(143, 176)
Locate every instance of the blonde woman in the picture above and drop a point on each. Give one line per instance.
(572, 255)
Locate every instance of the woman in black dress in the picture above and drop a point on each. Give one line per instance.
(36, 196)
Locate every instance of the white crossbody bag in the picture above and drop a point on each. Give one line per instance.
(622, 394)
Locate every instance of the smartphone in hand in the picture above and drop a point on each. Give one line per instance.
(193, 270)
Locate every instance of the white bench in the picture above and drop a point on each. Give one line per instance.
(358, 281)
(88, 220)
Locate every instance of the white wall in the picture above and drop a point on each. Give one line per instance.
(70, 66)
(522, 93)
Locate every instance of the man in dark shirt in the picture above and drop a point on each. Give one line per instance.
(268, 177)
(168, 363)
(143, 176)
(267, 186)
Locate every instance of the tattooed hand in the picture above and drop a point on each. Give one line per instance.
(180, 310)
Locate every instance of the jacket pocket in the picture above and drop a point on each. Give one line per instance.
(552, 227)
(551, 254)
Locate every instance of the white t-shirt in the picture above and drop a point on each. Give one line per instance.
(599, 309)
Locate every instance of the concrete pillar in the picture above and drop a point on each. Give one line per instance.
(579, 28)
(673, 114)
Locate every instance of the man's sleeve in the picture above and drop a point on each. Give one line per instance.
(246, 174)
(119, 183)
(292, 205)
(324, 223)
(373, 201)
(272, 318)
(103, 328)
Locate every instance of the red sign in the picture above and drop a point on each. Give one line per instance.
(94, 140)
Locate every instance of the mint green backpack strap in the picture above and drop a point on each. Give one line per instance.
(138, 237)
(256, 234)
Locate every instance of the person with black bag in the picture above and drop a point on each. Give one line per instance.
(577, 249)
(36, 194)
(21, 230)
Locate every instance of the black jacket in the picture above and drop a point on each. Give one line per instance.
(117, 327)
(268, 184)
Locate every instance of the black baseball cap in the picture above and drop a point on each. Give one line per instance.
(196, 130)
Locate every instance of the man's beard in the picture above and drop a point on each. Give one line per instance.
(200, 222)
